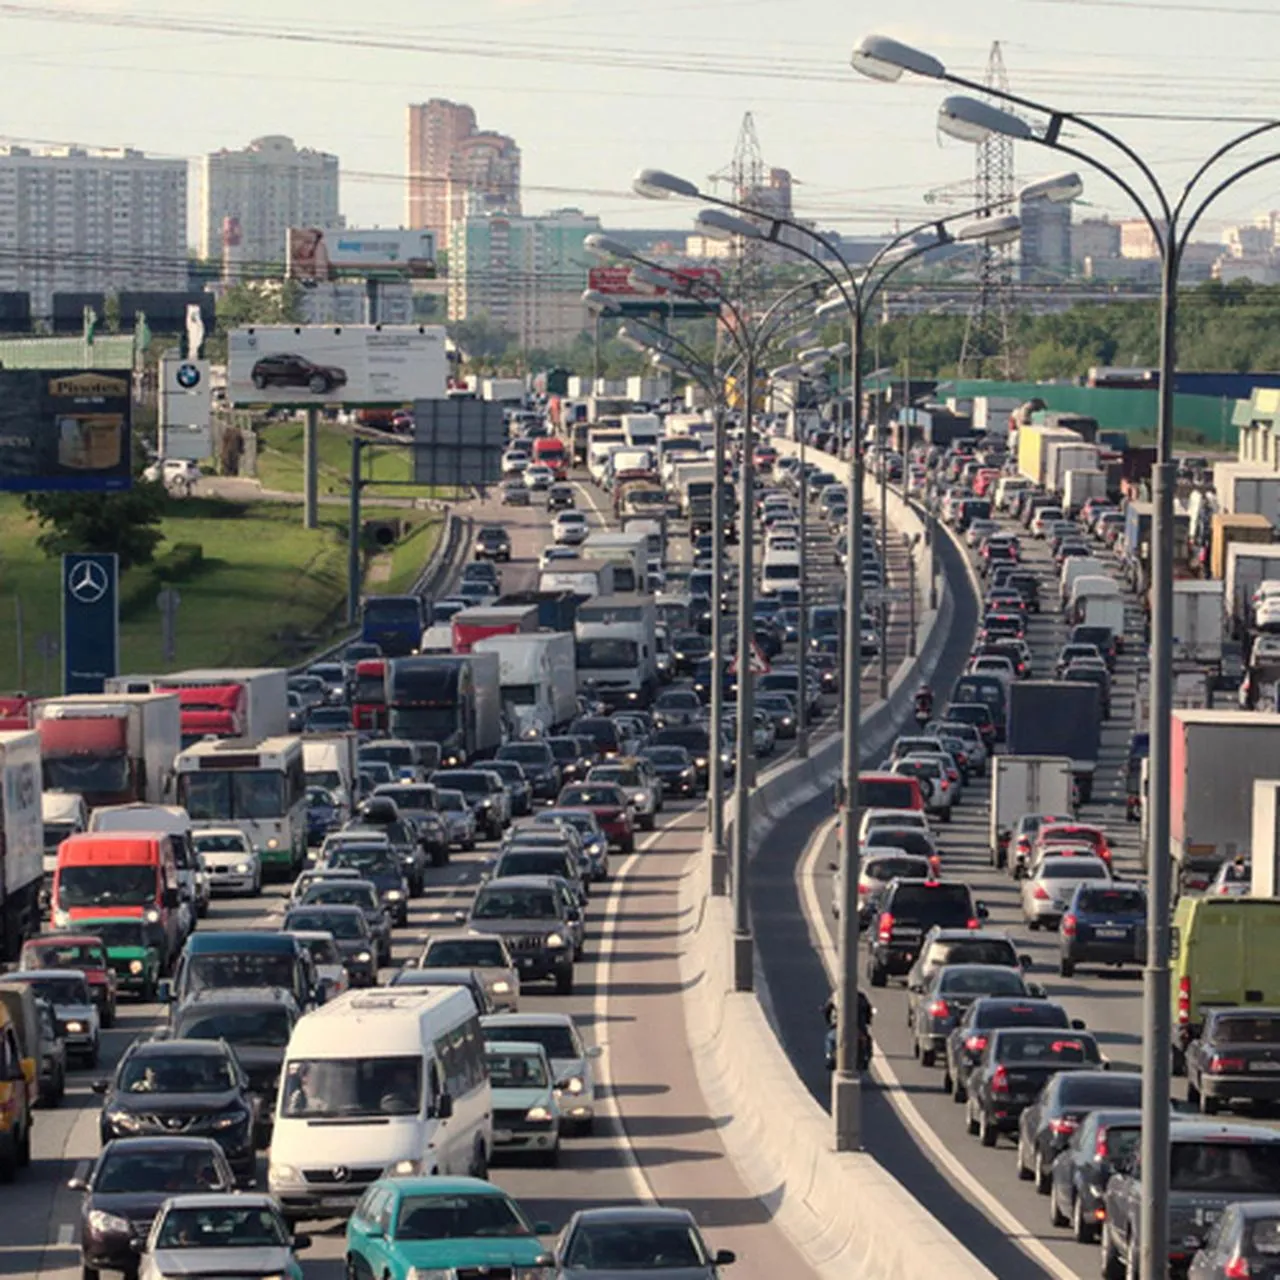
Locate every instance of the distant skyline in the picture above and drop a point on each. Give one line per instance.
(593, 92)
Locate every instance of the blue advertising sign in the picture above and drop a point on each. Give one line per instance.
(65, 429)
(90, 621)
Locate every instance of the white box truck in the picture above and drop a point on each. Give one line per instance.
(329, 761)
(22, 824)
(615, 652)
(1064, 456)
(1079, 485)
(537, 679)
(1198, 621)
(1026, 784)
(1248, 563)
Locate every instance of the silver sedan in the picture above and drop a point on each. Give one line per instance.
(1048, 890)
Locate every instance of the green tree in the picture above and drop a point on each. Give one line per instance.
(127, 523)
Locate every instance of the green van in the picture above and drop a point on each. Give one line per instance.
(1226, 953)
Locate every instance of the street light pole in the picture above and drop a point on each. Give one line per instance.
(802, 627)
(715, 778)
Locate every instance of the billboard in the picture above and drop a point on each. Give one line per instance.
(65, 429)
(68, 310)
(316, 254)
(305, 365)
(166, 310)
(458, 442)
(15, 312)
(619, 280)
(185, 405)
(90, 622)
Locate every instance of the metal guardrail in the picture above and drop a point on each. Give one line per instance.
(435, 574)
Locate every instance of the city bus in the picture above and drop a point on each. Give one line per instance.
(261, 790)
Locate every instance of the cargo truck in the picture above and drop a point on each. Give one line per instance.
(1026, 784)
(556, 609)
(504, 390)
(330, 761)
(110, 748)
(1228, 529)
(654, 530)
(452, 701)
(1064, 456)
(1058, 718)
(1247, 489)
(1198, 621)
(537, 679)
(1216, 758)
(628, 553)
(615, 650)
(1033, 449)
(22, 826)
(581, 578)
(250, 703)
(393, 623)
(1248, 564)
(1079, 485)
(470, 625)
(369, 698)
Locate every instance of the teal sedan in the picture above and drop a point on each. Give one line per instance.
(425, 1228)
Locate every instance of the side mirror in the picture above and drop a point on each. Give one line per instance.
(138, 1243)
(1037, 990)
(1025, 963)
(1175, 942)
(77, 1184)
(100, 1086)
(444, 1108)
(833, 866)
(594, 1051)
(983, 912)
(724, 1257)
(543, 1259)
(1077, 1024)
(460, 917)
(373, 1231)
(302, 1242)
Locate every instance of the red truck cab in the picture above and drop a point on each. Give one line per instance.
(369, 701)
(213, 709)
(550, 452)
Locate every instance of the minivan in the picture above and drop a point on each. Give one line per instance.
(240, 959)
(175, 823)
(377, 1083)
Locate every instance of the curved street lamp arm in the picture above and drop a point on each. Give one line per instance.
(1225, 149)
(689, 284)
(1057, 119)
(873, 287)
(691, 354)
(1224, 185)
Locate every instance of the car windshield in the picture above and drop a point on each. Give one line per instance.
(667, 755)
(1112, 901)
(515, 1070)
(635, 1246)
(107, 886)
(240, 969)
(913, 840)
(1090, 1092)
(459, 1217)
(1225, 1168)
(181, 1073)
(557, 1039)
(601, 796)
(891, 868)
(525, 752)
(528, 862)
(323, 950)
(465, 953)
(973, 951)
(121, 933)
(74, 955)
(884, 793)
(968, 979)
(344, 895)
(57, 990)
(223, 1227)
(451, 801)
(1072, 869)
(371, 859)
(584, 823)
(232, 842)
(1038, 1049)
(500, 903)
(332, 1087)
(1246, 1030)
(157, 1170)
(1039, 1013)
(266, 1027)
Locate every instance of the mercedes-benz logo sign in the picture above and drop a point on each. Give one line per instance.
(340, 1173)
(188, 376)
(88, 582)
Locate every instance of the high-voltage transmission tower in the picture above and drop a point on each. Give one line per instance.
(745, 176)
(986, 332)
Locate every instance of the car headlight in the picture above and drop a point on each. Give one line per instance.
(61, 918)
(502, 988)
(639, 797)
(686, 773)
(76, 1027)
(282, 1173)
(538, 1114)
(272, 843)
(572, 1084)
(242, 868)
(119, 1118)
(701, 762)
(394, 895)
(403, 1169)
(362, 957)
(486, 803)
(135, 966)
(151, 915)
(438, 1273)
(555, 940)
(230, 1120)
(108, 1223)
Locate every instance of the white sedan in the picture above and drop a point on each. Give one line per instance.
(570, 528)
(229, 859)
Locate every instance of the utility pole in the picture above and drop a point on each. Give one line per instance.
(311, 470)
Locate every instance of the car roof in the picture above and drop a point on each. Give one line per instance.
(1193, 1130)
(969, 935)
(61, 940)
(31, 975)
(241, 996)
(636, 1213)
(224, 942)
(179, 1142)
(181, 1048)
(524, 882)
(222, 1200)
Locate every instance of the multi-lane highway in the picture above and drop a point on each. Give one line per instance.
(654, 1140)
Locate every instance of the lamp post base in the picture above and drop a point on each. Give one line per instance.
(846, 1110)
(719, 874)
(743, 962)
(802, 745)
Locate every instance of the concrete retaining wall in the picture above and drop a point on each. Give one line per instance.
(843, 1211)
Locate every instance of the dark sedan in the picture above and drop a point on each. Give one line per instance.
(968, 1040)
(1014, 1067)
(1046, 1126)
(1235, 1057)
(1103, 925)
(602, 1243)
(674, 768)
(350, 929)
(126, 1186)
(1245, 1241)
(1078, 1179)
(934, 1010)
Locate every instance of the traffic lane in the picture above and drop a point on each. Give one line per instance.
(529, 530)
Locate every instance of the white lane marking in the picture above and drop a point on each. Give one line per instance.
(600, 1007)
(1017, 1231)
(66, 1235)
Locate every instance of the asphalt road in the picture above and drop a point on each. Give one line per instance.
(654, 1141)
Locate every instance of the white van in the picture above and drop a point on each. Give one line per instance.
(780, 569)
(378, 1082)
(1074, 567)
(64, 813)
(1089, 587)
(175, 822)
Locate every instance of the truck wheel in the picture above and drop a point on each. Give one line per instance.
(987, 1134)
(564, 982)
(1066, 968)
(878, 976)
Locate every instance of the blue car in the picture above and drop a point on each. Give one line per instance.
(323, 815)
(1102, 925)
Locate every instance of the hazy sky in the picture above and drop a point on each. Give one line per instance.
(595, 89)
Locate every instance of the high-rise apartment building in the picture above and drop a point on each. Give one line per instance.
(1044, 254)
(1094, 239)
(74, 221)
(524, 274)
(269, 186)
(456, 169)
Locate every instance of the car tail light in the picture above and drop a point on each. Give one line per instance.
(1069, 925)
(1184, 1000)
(1100, 1151)
(1220, 1064)
(975, 1044)
(1000, 1081)
(1040, 894)
(1062, 1126)
(973, 923)
(939, 1009)
(1237, 1269)
(885, 928)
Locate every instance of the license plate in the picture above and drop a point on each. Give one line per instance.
(1264, 1066)
(1111, 933)
(503, 1135)
(906, 935)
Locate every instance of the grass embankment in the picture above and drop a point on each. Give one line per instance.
(267, 592)
(386, 468)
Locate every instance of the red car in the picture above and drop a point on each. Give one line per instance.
(1074, 833)
(82, 951)
(610, 805)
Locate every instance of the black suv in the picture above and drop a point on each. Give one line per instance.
(256, 1022)
(166, 1088)
(537, 759)
(281, 370)
(493, 543)
(907, 910)
(532, 917)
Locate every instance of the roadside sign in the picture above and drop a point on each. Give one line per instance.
(90, 622)
(759, 663)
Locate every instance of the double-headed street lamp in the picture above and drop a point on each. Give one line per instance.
(1172, 216)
